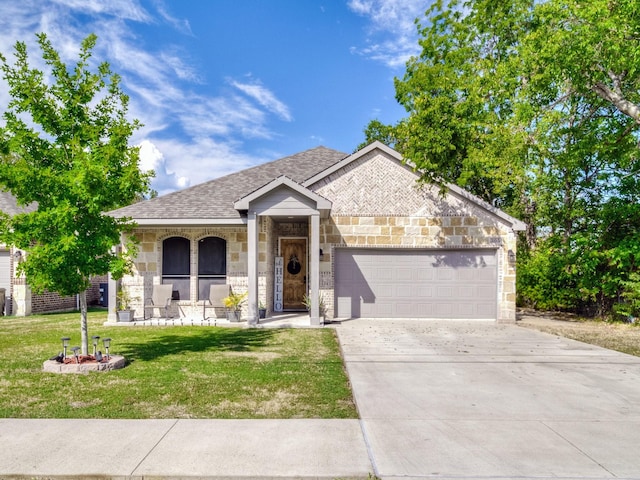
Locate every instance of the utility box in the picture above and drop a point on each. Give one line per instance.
(104, 294)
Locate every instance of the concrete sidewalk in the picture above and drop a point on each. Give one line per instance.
(173, 449)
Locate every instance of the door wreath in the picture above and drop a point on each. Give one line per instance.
(294, 266)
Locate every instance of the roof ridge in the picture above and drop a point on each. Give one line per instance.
(253, 168)
(215, 197)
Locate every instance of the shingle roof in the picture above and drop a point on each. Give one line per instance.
(9, 205)
(214, 199)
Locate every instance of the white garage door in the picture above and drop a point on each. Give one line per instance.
(413, 283)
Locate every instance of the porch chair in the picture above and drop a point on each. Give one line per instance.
(160, 299)
(216, 294)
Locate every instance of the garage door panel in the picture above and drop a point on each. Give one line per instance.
(467, 292)
(405, 274)
(425, 274)
(424, 291)
(465, 310)
(403, 294)
(485, 291)
(415, 283)
(445, 292)
(444, 274)
(486, 310)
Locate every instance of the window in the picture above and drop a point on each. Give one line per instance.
(212, 264)
(176, 266)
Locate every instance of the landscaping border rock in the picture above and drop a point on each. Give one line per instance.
(115, 362)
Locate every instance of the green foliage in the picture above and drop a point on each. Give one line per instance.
(630, 306)
(65, 148)
(306, 301)
(535, 107)
(234, 301)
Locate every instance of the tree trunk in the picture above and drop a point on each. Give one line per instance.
(616, 98)
(84, 336)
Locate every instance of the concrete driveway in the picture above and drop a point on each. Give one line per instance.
(476, 399)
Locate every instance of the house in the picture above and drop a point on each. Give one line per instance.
(19, 299)
(357, 230)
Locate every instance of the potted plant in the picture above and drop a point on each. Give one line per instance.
(233, 304)
(124, 311)
(262, 310)
(306, 300)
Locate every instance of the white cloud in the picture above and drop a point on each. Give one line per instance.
(188, 136)
(153, 159)
(214, 159)
(393, 37)
(264, 97)
(124, 9)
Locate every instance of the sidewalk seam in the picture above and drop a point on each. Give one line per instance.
(154, 447)
(367, 445)
(543, 422)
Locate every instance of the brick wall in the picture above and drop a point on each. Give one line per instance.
(53, 302)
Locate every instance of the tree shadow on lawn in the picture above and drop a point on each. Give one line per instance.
(159, 344)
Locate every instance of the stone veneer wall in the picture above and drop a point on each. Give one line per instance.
(378, 203)
(148, 264)
(420, 232)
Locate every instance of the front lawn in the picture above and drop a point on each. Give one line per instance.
(174, 372)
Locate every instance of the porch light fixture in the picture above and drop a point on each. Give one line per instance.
(65, 344)
(75, 353)
(107, 343)
(95, 339)
(321, 254)
(512, 257)
(17, 256)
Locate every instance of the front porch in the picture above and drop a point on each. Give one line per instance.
(293, 266)
(277, 320)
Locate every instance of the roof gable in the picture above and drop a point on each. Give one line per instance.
(375, 181)
(283, 196)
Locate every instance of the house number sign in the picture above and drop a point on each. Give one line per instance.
(277, 284)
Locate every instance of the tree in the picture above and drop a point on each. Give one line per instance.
(534, 105)
(64, 146)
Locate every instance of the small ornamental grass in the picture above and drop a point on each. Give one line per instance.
(174, 372)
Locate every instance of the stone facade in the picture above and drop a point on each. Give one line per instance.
(433, 233)
(376, 203)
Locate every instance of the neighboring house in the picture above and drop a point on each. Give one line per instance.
(19, 299)
(358, 230)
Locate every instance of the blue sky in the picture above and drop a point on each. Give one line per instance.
(222, 85)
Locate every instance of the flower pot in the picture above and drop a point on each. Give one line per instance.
(125, 315)
(233, 315)
(262, 312)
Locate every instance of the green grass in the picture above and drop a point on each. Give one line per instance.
(174, 372)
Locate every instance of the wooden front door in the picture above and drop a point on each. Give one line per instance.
(294, 255)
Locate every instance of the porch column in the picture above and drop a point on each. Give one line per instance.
(314, 269)
(252, 266)
(112, 291)
(112, 288)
